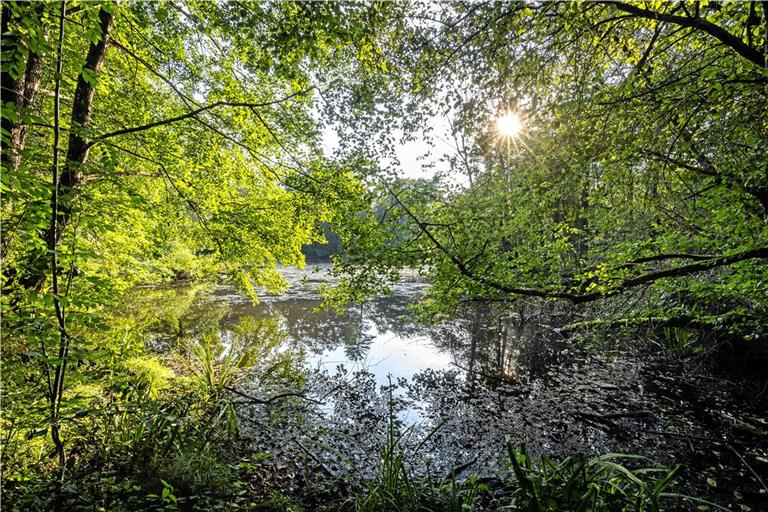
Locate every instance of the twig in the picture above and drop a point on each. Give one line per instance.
(269, 401)
(750, 468)
(194, 113)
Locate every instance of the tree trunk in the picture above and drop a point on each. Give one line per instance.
(78, 148)
(77, 156)
(21, 91)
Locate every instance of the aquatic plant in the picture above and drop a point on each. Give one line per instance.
(607, 482)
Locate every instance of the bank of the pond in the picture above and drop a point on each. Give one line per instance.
(229, 405)
(469, 384)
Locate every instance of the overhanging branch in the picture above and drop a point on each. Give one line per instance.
(703, 263)
(194, 113)
(751, 54)
(651, 277)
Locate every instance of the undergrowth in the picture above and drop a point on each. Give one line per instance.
(580, 483)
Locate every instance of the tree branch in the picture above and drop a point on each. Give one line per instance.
(194, 113)
(751, 54)
(464, 269)
(186, 99)
(56, 391)
(673, 256)
(707, 170)
(705, 263)
(651, 277)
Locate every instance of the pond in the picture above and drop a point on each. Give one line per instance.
(467, 385)
(379, 336)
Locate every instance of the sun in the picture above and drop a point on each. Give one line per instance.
(509, 125)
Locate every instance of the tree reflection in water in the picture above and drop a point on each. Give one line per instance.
(487, 342)
(493, 343)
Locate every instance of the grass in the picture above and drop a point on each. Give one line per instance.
(580, 483)
(395, 489)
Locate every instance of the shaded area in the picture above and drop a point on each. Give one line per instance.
(467, 383)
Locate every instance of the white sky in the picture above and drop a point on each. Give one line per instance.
(413, 162)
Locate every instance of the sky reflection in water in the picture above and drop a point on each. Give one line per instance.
(387, 354)
(378, 336)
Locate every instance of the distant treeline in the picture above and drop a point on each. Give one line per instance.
(321, 252)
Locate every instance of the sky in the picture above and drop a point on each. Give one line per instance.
(411, 156)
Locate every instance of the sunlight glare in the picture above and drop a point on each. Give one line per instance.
(509, 125)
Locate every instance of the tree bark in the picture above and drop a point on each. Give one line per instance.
(78, 148)
(71, 177)
(21, 91)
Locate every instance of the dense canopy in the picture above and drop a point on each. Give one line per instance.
(604, 161)
(642, 162)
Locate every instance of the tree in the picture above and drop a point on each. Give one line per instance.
(181, 148)
(642, 165)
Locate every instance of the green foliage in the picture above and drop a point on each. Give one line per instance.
(189, 149)
(639, 176)
(586, 483)
(537, 484)
(148, 375)
(167, 498)
(280, 503)
(130, 418)
(185, 152)
(396, 489)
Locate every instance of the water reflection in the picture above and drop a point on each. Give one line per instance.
(487, 373)
(486, 343)
(251, 340)
(495, 344)
(380, 336)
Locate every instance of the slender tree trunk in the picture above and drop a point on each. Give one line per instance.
(71, 177)
(55, 391)
(20, 91)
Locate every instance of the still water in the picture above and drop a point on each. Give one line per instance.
(379, 336)
(468, 384)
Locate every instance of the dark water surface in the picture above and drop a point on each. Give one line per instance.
(467, 384)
